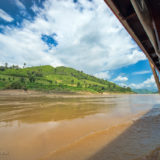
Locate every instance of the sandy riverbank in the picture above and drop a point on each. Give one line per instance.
(33, 93)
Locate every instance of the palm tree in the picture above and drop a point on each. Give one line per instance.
(24, 65)
(6, 65)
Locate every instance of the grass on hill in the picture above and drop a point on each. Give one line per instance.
(48, 78)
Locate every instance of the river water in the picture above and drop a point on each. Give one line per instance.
(102, 127)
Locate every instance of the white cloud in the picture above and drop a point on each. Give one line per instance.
(20, 4)
(5, 16)
(89, 36)
(141, 72)
(122, 84)
(121, 79)
(148, 83)
(103, 75)
(22, 8)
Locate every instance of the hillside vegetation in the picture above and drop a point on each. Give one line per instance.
(60, 79)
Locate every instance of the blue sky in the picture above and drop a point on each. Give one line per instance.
(83, 34)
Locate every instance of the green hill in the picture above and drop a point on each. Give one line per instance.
(48, 78)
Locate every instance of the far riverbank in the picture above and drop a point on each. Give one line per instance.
(29, 93)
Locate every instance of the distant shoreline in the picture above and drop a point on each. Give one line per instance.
(18, 92)
(30, 93)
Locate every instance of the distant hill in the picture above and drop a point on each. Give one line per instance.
(59, 79)
(143, 91)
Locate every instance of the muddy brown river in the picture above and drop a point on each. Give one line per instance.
(75, 127)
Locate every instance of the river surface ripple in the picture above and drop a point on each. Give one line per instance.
(107, 127)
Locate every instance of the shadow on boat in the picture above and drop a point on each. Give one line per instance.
(137, 141)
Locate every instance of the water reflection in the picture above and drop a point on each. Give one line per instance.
(43, 109)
